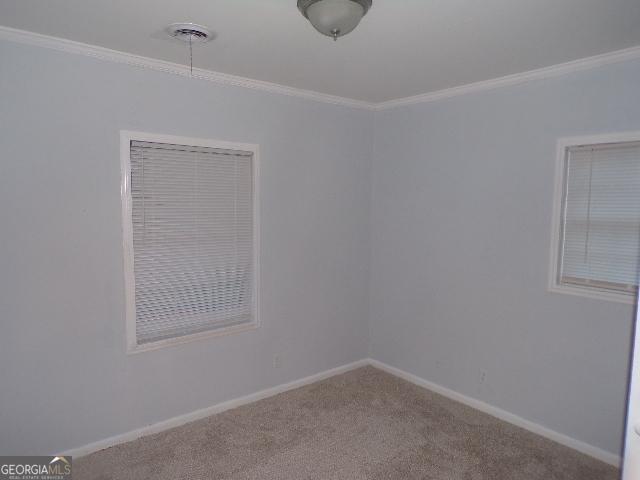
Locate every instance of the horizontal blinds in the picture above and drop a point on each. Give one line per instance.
(601, 229)
(192, 215)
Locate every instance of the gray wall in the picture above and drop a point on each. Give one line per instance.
(461, 216)
(65, 377)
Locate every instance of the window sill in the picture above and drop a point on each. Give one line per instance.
(594, 293)
(169, 342)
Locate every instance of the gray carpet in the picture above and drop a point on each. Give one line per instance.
(364, 424)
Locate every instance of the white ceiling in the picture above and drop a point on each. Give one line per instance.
(402, 47)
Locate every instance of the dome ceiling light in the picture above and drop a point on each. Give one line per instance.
(334, 18)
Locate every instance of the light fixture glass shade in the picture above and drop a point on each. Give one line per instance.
(334, 18)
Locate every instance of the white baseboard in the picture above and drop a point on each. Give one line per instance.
(582, 447)
(205, 412)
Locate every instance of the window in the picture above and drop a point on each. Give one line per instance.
(596, 239)
(190, 238)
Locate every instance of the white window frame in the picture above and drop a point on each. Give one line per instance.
(126, 136)
(556, 229)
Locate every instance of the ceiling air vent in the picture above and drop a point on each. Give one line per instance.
(189, 32)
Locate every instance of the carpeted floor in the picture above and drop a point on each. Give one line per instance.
(364, 424)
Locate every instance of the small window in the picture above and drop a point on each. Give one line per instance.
(190, 233)
(597, 238)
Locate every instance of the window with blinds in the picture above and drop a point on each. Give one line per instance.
(600, 224)
(192, 239)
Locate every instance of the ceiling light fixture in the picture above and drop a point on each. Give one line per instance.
(190, 33)
(334, 18)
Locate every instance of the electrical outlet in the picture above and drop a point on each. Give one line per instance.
(277, 361)
(483, 376)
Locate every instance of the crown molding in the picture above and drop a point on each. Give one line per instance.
(70, 46)
(587, 63)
